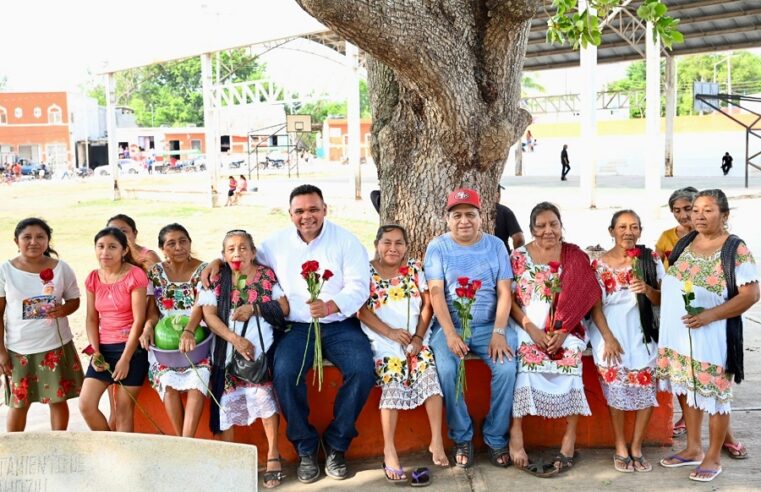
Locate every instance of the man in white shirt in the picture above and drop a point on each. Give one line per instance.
(343, 342)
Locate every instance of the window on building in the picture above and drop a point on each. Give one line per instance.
(37, 112)
(54, 115)
(3, 116)
(56, 154)
(195, 145)
(18, 112)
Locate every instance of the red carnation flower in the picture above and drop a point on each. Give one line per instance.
(88, 350)
(633, 253)
(461, 291)
(235, 265)
(46, 275)
(554, 266)
(463, 281)
(477, 284)
(327, 274)
(404, 271)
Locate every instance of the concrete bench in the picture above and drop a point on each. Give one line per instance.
(412, 430)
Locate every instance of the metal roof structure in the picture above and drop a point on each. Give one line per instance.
(707, 25)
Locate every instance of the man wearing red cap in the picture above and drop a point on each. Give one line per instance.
(466, 251)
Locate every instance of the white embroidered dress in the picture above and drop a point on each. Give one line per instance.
(544, 387)
(629, 385)
(692, 362)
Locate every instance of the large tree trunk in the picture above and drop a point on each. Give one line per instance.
(444, 81)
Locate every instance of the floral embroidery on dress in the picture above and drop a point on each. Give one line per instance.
(617, 375)
(529, 401)
(711, 379)
(182, 294)
(395, 288)
(705, 271)
(533, 359)
(531, 278)
(613, 279)
(258, 288)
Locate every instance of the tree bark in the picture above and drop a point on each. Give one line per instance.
(444, 80)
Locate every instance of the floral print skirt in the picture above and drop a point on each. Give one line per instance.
(628, 389)
(407, 383)
(46, 377)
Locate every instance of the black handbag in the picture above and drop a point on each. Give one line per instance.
(254, 371)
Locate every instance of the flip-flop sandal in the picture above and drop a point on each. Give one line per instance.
(400, 473)
(464, 449)
(540, 469)
(711, 474)
(679, 430)
(563, 462)
(736, 451)
(273, 475)
(621, 463)
(496, 453)
(679, 462)
(643, 463)
(420, 477)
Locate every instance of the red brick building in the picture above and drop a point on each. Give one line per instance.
(35, 126)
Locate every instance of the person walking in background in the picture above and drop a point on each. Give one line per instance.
(565, 163)
(232, 185)
(726, 163)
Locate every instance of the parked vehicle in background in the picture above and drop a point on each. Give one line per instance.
(35, 170)
(126, 166)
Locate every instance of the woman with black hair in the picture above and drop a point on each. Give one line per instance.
(629, 277)
(711, 281)
(37, 356)
(116, 300)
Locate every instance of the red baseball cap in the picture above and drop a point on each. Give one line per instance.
(463, 196)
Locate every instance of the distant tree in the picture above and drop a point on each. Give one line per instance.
(3, 81)
(171, 93)
(746, 78)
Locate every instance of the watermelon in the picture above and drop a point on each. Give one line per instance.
(168, 330)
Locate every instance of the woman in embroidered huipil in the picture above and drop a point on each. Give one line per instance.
(172, 287)
(700, 345)
(629, 278)
(554, 289)
(396, 319)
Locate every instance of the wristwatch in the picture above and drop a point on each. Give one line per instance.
(499, 331)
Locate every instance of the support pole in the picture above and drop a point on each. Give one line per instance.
(587, 155)
(113, 151)
(670, 114)
(353, 116)
(210, 112)
(653, 154)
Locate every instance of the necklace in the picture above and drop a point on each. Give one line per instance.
(110, 278)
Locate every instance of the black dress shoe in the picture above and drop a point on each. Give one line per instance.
(335, 463)
(308, 470)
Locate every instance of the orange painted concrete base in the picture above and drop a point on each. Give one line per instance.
(413, 430)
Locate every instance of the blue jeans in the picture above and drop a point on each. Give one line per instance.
(347, 347)
(459, 422)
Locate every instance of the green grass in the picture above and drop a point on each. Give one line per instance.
(78, 210)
